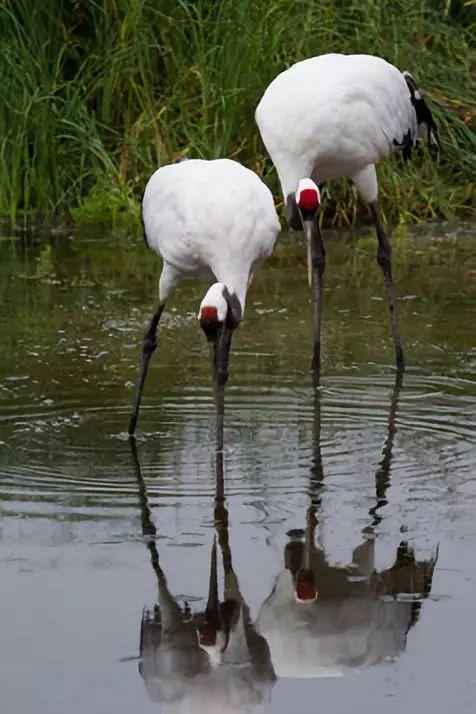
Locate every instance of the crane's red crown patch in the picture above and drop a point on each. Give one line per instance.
(209, 316)
(308, 199)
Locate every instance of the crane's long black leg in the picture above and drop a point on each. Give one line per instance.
(384, 259)
(149, 345)
(318, 259)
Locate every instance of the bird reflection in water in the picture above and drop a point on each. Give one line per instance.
(320, 620)
(211, 661)
(323, 620)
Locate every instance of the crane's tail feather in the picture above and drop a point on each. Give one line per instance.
(422, 110)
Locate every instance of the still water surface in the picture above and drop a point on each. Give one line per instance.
(358, 497)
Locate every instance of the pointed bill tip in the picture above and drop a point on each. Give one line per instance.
(309, 264)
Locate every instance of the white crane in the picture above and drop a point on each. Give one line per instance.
(332, 116)
(209, 220)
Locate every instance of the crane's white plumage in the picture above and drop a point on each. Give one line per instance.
(307, 184)
(335, 115)
(209, 220)
(214, 297)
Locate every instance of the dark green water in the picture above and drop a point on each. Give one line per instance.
(361, 491)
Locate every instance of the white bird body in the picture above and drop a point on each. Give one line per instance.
(211, 220)
(335, 115)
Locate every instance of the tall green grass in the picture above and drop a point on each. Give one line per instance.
(95, 95)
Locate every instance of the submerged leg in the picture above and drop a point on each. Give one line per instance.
(149, 345)
(384, 259)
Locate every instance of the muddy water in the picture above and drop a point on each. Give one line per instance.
(340, 573)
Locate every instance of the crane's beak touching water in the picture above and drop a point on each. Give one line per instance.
(310, 230)
(219, 333)
(308, 200)
(220, 356)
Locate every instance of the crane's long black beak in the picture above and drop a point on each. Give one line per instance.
(316, 263)
(222, 354)
(219, 336)
(219, 342)
(212, 351)
(310, 232)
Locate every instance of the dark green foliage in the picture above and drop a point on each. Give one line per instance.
(97, 94)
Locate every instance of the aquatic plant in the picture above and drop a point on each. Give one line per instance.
(96, 95)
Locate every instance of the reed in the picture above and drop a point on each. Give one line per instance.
(96, 95)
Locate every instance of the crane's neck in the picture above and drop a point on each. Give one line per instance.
(221, 304)
(236, 286)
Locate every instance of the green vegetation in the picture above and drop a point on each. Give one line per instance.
(96, 95)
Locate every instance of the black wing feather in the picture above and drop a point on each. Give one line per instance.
(422, 110)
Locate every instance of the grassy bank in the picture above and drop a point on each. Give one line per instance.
(96, 95)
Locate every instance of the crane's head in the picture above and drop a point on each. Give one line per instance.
(308, 200)
(303, 202)
(220, 307)
(220, 314)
